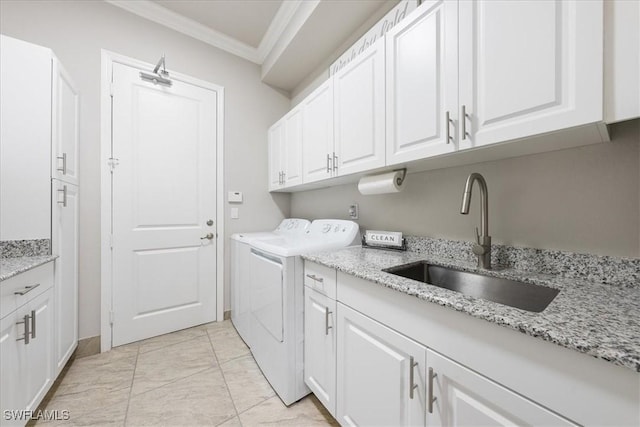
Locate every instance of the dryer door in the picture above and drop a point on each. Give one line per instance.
(267, 283)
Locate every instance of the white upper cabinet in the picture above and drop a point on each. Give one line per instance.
(621, 60)
(285, 151)
(317, 134)
(275, 153)
(25, 132)
(65, 127)
(359, 112)
(528, 67)
(422, 83)
(292, 155)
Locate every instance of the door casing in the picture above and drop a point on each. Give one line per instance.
(108, 58)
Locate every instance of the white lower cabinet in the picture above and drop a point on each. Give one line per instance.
(65, 245)
(461, 397)
(320, 347)
(381, 374)
(26, 351)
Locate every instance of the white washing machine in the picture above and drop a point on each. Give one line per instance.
(239, 278)
(277, 301)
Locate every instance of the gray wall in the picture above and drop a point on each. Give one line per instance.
(582, 199)
(77, 31)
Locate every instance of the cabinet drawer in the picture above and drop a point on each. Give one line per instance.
(320, 278)
(40, 278)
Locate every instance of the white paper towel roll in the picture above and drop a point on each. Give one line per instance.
(380, 184)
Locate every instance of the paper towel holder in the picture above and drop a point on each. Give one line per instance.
(400, 179)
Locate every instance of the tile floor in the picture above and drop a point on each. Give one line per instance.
(203, 376)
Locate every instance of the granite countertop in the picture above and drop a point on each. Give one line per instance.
(601, 320)
(10, 267)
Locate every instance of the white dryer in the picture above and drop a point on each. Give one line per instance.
(277, 301)
(239, 278)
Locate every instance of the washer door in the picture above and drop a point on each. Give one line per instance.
(267, 285)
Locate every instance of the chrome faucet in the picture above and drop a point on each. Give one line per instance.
(482, 248)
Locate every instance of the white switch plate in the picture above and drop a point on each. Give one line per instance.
(234, 213)
(235, 197)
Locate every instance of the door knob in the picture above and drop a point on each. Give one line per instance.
(208, 236)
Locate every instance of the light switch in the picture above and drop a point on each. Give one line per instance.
(234, 197)
(234, 213)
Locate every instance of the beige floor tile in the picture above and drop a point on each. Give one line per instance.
(307, 412)
(226, 342)
(233, 422)
(247, 385)
(166, 340)
(201, 399)
(92, 407)
(108, 371)
(168, 364)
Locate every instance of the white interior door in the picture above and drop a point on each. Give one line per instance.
(164, 206)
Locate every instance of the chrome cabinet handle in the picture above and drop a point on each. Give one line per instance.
(463, 122)
(284, 177)
(63, 169)
(64, 196)
(412, 385)
(326, 321)
(26, 337)
(328, 161)
(316, 278)
(335, 161)
(33, 324)
(209, 236)
(447, 123)
(430, 398)
(27, 289)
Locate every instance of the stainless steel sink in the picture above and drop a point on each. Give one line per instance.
(525, 296)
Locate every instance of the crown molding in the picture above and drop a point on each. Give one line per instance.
(161, 15)
(278, 25)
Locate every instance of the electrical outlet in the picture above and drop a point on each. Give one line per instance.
(354, 211)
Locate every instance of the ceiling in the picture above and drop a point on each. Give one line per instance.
(289, 39)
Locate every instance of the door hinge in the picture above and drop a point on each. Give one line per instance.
(111, 317)
(113, 162)
(111, 241)
(111, 89)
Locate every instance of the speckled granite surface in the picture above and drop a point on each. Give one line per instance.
(594, 268)
(10, 267)
(22, 248)
(602, 320)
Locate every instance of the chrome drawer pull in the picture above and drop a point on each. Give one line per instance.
(33, 324)
(430, 398)
(316, 278)
(63, 169)
(328, 161)
(326, 321)
(412, 386)
(26, 329)
(27, 289)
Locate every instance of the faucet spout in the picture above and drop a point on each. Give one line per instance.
(482, 248)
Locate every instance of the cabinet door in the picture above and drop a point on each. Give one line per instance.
(528, 67)
(317, 134)
(25, 132)
(40, 359)
(293, 148)
(463, 397)
(422, 83)
(359, 112)
(13, 367)
(374, 374)
(320, 347)
(275, 145)
(64, 126)
(65, 245)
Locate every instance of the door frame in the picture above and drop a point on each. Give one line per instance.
(106, 284)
